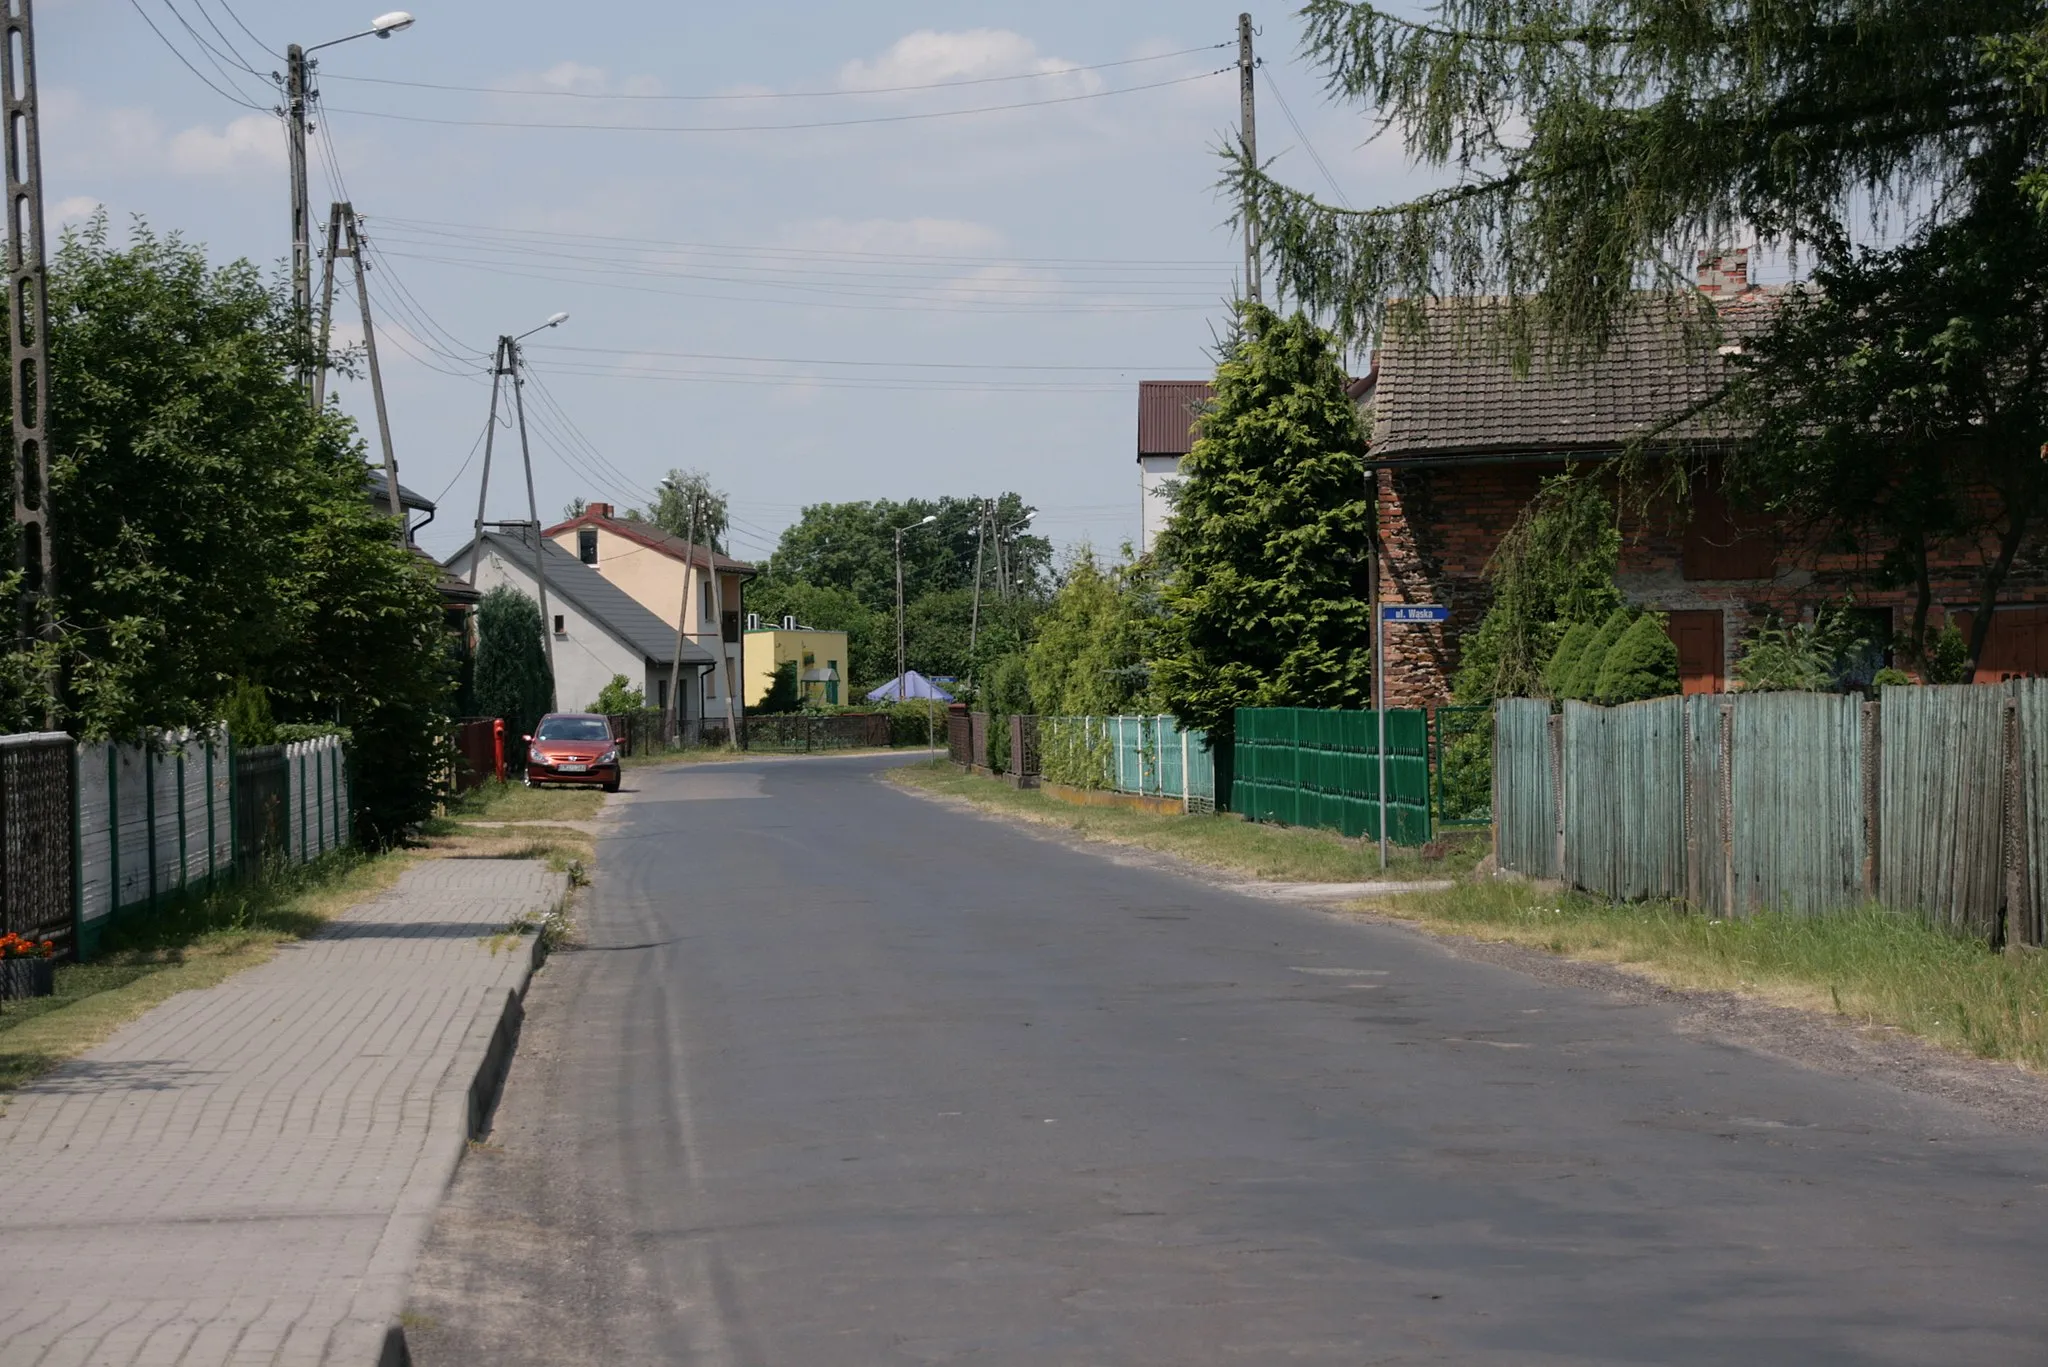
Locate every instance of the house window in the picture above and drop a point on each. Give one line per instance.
(561, 628)
(705, 585)
(661, 694)
(1722, 542)
(586, 544)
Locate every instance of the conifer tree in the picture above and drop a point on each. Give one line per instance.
(1269, 594)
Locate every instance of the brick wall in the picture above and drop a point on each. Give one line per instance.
(1440, 527)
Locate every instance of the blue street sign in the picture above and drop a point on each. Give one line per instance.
(1413, 612)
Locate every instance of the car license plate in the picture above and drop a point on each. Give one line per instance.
(573, 768)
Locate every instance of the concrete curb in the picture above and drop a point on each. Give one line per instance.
(490, 1043)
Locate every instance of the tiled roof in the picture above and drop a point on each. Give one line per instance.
(591, 594)
(654, 538)
(1444, 391)
(1167, 413)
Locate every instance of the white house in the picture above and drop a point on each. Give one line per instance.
(1167, 413)
(599, 630)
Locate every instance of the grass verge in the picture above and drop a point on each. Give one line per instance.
(1282, 853)
(193, 942)
(516, 802)
(1873, 965)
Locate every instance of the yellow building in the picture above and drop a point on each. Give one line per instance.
(820, 657)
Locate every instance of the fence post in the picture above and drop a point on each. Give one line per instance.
(1726, 799)
(2021, 926)
(1554, 729)
(184, 837)
(113, 830)
(1187, 790)
(1871, 753)
(149, 813)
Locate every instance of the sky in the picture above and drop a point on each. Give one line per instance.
(823, 282)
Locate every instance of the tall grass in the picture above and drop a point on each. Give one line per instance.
(1872, 965)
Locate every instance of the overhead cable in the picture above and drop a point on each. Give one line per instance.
(782, 94)
(783, 127)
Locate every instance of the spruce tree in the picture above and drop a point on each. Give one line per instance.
(1584, 682)
(1642, 663)
(1269, 598)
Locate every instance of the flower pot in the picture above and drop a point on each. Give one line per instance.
(24, 978)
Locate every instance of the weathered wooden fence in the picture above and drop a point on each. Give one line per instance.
(1933, 800)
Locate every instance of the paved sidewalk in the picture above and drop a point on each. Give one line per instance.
(246, 1174)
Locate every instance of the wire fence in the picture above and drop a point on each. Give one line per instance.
(1146, 756)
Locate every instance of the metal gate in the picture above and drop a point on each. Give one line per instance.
(262, 807)
(36, 826)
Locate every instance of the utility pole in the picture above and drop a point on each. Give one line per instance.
(679, 713)
(1248, 137)
(508, 350)
(28, 309)
(324, 341)
(980, 527)
(295, 105)
(727, 677)
(344, 238)
(476, 545)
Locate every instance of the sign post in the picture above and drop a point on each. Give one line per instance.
(1397, 613)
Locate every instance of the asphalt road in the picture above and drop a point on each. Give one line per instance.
(846, 1077)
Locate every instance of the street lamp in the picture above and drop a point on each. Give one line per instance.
(900, 667)
(298, 95)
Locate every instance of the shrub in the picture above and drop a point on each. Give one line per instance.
(1564, 661)
(511, 663)
(1891, 678)
(618, 698)
(1584, 683)
(248, 715)
(1642, 663)
(785, 693)
(1948, 659)
(1075, 751)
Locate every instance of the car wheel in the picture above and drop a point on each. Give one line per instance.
(612, 787)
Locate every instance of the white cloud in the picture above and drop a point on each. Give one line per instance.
(574, 76)
(939, 236)
(252, 142)
(71, 209)
(928, 56)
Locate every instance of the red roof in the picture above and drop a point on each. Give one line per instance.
(652, 537)
(1168, 411)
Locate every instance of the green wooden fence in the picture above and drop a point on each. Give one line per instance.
(1302, 766)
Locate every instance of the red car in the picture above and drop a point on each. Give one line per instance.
(572, 747)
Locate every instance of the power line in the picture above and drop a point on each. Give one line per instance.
(900, 304)
(1273, 87)
(463, 469)
(261, 46)
(783, 94)
(908, 365)
(232, 57)
(183, 61)
(679, 261)
(841, 254)
(783, 127)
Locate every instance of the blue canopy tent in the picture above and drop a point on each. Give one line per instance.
(910, 685)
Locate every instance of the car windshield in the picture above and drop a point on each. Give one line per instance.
(573, 728)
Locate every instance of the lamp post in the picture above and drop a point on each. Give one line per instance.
(900, 667)
(298, 96)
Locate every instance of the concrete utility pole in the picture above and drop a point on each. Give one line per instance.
(28, 309)
(728, 677)
(344, 238)
(1248, 135)
(297, 112)
(506, 363)
(508, 348)
(295, 103)
(980, 528)
(678, 713)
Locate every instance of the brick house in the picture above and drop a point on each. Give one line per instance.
(1460, 444)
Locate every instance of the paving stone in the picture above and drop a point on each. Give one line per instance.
(246, 1174)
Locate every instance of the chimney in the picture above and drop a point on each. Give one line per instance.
(598, 509)
(789, 624)
(1725, 272)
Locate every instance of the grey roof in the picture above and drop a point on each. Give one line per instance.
(593, 595)
(1444, 391)
(411, 498)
